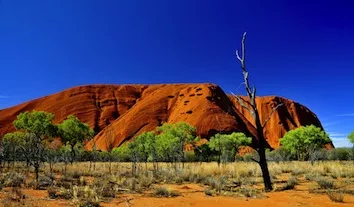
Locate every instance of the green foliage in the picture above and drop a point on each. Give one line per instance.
(73, 131)
(227, 144)
(36, 122)
(203, 153)
(304, 140)
(38, 126)
(340, 154)
(13, 145)
(172, 139)
(280, 154)
(121, 153)
(145, 145)
(351, 137)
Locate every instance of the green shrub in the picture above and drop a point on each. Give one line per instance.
(164, 192)
(53, 192)
(336, 197)
(248, 192)
(133, 185)
(290, 184)
(324, 183)
(340, 154)
(208, 192)
(161, 192)
(12, 179)
(89, 204)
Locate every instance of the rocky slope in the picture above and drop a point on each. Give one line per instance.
(120, 112)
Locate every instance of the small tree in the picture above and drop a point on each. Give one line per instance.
(351, 139)
(203, 153)
(144, 143)
(172, 140)
(1, 154)
(65, 156)
(110, 138)
(39, 126)
(14, 146)
(52, 153)
(304, 140)
(227, 145)
(133, 150)
(151, 148)
(73, 131)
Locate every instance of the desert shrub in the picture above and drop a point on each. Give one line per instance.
(297, 171)
(75, 174)
(324, 183)
(178, 180)
(164, 192)
(311, 176)
(217, 183)
(290, 184)
(339, 154)
(89, 204)
(133, 185)
(43, 182)
(146, 181)
(197, 178)
(12, 179)
(248, 192)
(208, 192)
(15, 197)
(174, 193)
(161, 192)
(278, 155)
(337, 197)
(245, 181)
(64, 193)
(52, 192)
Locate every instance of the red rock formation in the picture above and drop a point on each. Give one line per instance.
(132, 109)
(289, 116)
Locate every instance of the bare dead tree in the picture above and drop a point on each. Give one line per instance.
(251, 106)
(110, 145)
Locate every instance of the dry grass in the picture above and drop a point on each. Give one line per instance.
(85, 186)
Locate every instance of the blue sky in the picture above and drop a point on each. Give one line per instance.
(301, 50)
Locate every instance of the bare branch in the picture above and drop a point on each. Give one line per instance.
(242, 100)
(238, 56)
(243, 104)
(271, 113)
(243, 50)
(254, 160)
(243, 83)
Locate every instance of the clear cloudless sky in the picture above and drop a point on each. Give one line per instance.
(302, 50)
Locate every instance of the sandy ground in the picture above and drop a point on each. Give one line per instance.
(193, 195)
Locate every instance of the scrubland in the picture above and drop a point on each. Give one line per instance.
(324, 183)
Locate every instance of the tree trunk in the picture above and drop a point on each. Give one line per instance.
(72, 154)
(110, 163)
(50, 167)
(261, 151)
(265, 172)
(36, 169)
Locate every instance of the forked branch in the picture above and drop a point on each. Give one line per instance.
(271, 113)
(243, 105)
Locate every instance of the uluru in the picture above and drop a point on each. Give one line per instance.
(128, 110)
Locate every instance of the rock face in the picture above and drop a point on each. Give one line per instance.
(289, 116)
(120, 112)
